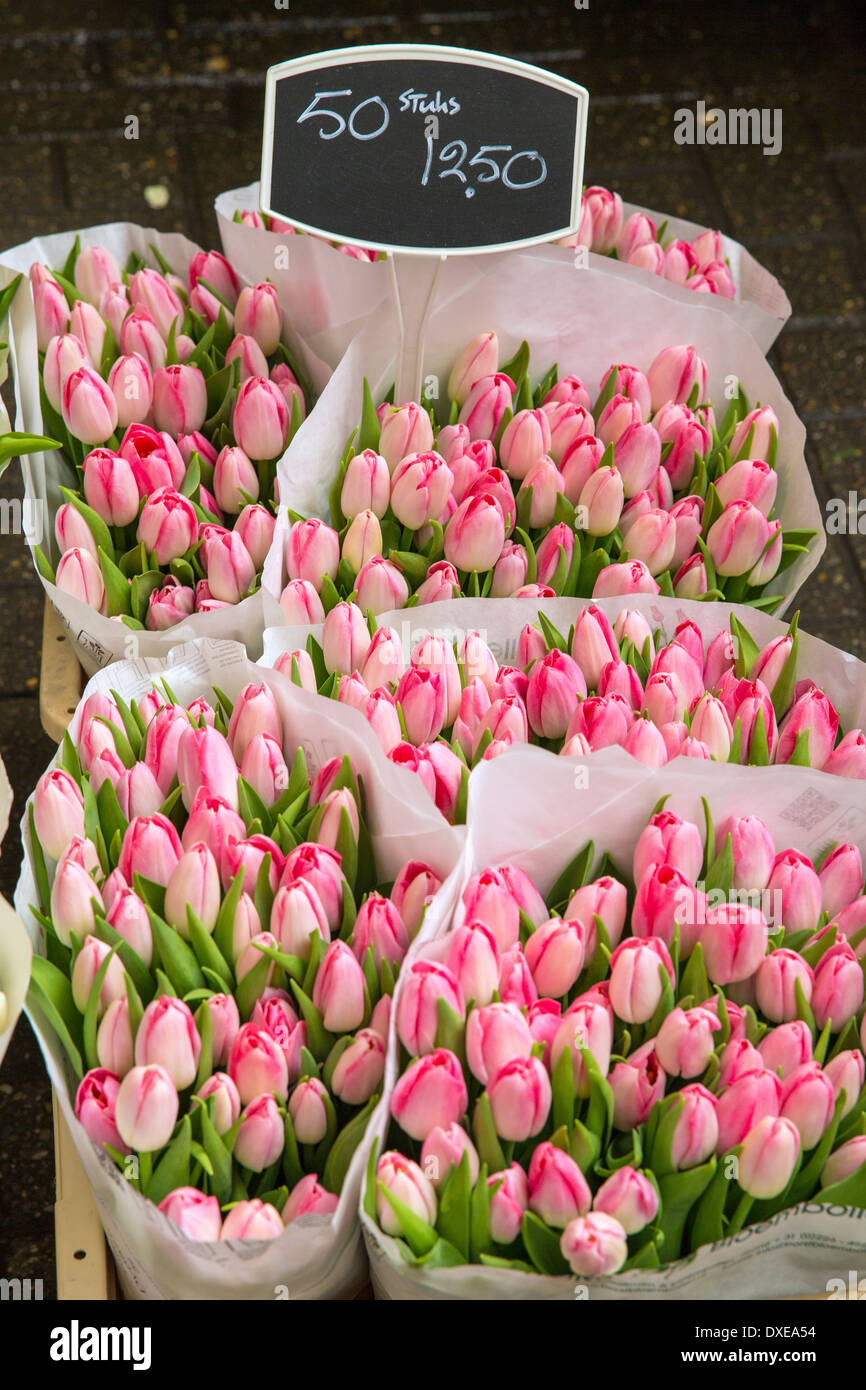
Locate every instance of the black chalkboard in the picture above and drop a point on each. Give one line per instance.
(416, 148)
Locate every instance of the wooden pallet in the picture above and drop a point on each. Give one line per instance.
(61, 678)
(85, 1268)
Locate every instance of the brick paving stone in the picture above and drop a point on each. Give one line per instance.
(823, 372)
(821, 278)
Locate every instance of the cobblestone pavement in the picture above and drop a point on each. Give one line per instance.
(193, 75)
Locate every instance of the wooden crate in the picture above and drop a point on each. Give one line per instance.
(85, 1268)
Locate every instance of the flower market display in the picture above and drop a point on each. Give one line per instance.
(450, 880)
(218, 942)
(537, 491)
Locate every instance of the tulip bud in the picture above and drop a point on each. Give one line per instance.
(594, 1244)
(847, 1160)
(629, 1197)
(407, 1182)
(167, 1036)
(558, 1191)
(637, 1084)
(635, 985)
(430, 1092)
(252, 1220)
(257, 1064)
(479, 358)
(95, 1103)
(146, 1108)
(58, 811)
(261, 1135)
(838, 990)
(257, 313)
(114, 1038)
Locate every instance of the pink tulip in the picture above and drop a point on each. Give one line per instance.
(58, 811)
(95, 1102)
(755, 432)
(338, 992)
(558, 1191)
(257, 1064)
(252, 1220)
(496, 1034)
(417, 1013)
(841, 878)
(594, 1244)
(484, 407)
(95, 271)
(786, 1047)
(430, 1092)
(808, 1099)
(847, 1160)
(555, 683)
(673, 375)
(406, 1181)
(479, 358)
(637, 1084)
(258, 314)
(520, 1096)
(668, 839)
(473, 959)
(151, 847)
(838, 989)
(205, 761)
(261, 1135)
(196, 1215)
(635, 986)
(621, 578)
(195, 884)
(629, 1197)
(146, 1108)
(684, 1043)
(751, 480)
(555, 953)
(167, 1036)
(742, 1104)
(587, 1025)
(260, 421)
(51, 312)
(605, 210)
(444, 1149)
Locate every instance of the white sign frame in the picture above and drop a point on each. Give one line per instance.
(436, 53)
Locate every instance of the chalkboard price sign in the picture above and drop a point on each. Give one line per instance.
(423, 149)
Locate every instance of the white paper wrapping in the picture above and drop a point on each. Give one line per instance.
(581, 319)
(317, 1256)
(530, 810)
(15, 948)
(99, 640)
(326, 300)
(328, 297)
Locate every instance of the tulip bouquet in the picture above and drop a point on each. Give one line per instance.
(635, 1065)
(700, 264)
(219, 954)
(532, 492)
(447, 706)
(172, 399)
